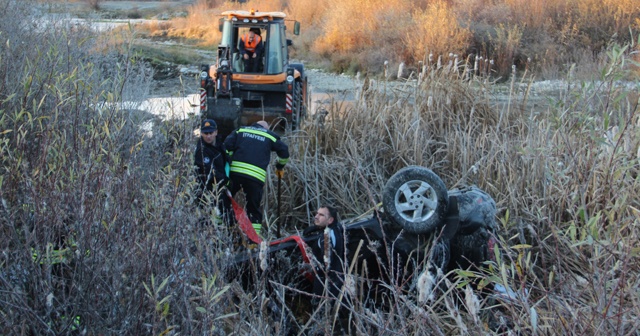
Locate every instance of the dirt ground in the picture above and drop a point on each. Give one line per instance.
(124, 6)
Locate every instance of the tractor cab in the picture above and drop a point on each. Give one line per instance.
(269, 26)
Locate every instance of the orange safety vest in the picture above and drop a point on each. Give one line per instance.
(251, 46)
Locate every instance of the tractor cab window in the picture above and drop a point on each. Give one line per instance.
(226, 50)
(274, 47)
(275, 50)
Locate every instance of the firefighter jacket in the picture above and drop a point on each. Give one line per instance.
(250, 150)
(210, 161)
(252, 46)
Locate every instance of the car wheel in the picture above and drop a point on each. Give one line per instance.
(416, 199)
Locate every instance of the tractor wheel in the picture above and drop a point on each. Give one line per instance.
(304, 100)
(416, 199)
(298, 107)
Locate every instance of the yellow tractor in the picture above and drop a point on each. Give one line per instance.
(273, 89)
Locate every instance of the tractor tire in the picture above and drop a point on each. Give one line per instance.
(298, 107)
(416, 199)
(304, 100)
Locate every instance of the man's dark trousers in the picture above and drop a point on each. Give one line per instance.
(253, 191)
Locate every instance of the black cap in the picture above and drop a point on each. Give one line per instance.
(208, 125)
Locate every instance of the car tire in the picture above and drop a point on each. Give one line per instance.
(416, 199)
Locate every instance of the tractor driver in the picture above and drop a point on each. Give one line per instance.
(251, 49)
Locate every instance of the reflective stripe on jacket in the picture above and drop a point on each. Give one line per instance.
(250, 149)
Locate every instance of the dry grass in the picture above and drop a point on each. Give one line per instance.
(568, 196)
(200, 25)
(99, 232)
(547, 36)
(360, 34)
(437, 32)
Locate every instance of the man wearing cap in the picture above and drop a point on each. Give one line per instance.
(250, 150)
(210, 159)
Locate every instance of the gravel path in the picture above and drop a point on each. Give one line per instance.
(324, 88)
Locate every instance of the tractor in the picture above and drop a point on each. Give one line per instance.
(276, 92)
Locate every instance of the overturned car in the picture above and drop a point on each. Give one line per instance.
(423, 229)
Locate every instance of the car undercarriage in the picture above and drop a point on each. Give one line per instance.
(422, 229)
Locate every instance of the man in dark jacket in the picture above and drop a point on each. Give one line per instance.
(329, 251)
(250, 150)
(330, 265)
(210, 160)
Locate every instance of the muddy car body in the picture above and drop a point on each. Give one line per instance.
(422, 227)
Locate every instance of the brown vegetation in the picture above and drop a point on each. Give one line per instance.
(547, 36)
(100, 235)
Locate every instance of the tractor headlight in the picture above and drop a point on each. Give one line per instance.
(289, 79)
(203, 75)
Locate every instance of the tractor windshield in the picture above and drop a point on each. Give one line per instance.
(276, 49)
(274, 43)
